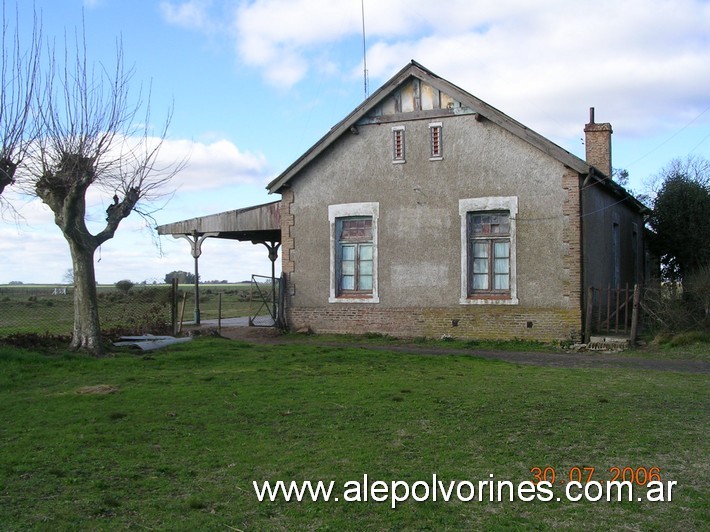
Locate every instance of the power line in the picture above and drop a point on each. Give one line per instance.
(686, 126)
(706, 137)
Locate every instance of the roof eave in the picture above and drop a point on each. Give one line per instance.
(616, 189)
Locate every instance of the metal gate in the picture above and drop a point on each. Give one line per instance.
(264, 300)
(612, 311)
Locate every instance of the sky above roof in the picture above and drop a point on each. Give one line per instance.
(254, 84)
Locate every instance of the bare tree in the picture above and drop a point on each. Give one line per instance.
(19, 75)
(93, 134)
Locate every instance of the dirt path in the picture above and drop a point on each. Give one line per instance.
(560, 359)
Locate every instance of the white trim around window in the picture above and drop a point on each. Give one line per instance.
(436, 147)
(484, 204)
(398, 145)
(347, 210)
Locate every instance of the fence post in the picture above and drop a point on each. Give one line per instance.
(182, 311)
(174, 305)
(251, 300)
(635, 314)
(588, 315)
(219, 314)
(282, 302)
(626, 308)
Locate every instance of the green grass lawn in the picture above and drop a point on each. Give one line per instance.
(184, 432)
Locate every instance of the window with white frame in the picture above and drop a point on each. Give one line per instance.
(353, 257)
(398, 144)
(488, 255)
(436, 152)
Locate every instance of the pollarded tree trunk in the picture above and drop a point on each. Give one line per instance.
(87, 327)
(64, 191)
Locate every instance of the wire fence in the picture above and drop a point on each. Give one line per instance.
(149, 309)
(50, 310)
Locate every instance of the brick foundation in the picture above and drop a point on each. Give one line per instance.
(480, 322)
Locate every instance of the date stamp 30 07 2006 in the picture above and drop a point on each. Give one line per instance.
(639, 475)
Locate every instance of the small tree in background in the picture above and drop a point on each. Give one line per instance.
(680, 221)
(181, 276)
(679, 237)
(124, 285)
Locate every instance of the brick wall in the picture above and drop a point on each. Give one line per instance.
(572, 245)
(501, 322)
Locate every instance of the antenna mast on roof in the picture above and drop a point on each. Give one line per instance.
(364, 51)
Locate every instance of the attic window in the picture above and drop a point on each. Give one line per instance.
(398, 144)
(436, 152)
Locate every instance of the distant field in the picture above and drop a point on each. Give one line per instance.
(47, 308)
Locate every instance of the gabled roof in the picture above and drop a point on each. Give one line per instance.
(415, 70)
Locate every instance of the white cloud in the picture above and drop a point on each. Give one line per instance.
(214, 165)
(278, 35)
(208, 167)
(544, 63)
(193, 14)
(217, 177)
(32, 255)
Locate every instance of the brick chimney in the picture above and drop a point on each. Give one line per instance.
(598, 144)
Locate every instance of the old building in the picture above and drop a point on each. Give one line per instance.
(428, 212)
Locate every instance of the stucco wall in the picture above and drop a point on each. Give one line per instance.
(419, 229)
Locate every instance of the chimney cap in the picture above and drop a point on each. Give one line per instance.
(593, 126)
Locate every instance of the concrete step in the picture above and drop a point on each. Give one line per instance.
(608, 343)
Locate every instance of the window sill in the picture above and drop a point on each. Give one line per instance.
(398, 161)
(493, 300)
(354, 299)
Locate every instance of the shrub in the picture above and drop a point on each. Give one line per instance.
(675, 307)
(124, 285)
(152, 295)
(689, 338)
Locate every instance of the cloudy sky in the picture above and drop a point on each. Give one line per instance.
(255, 83)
